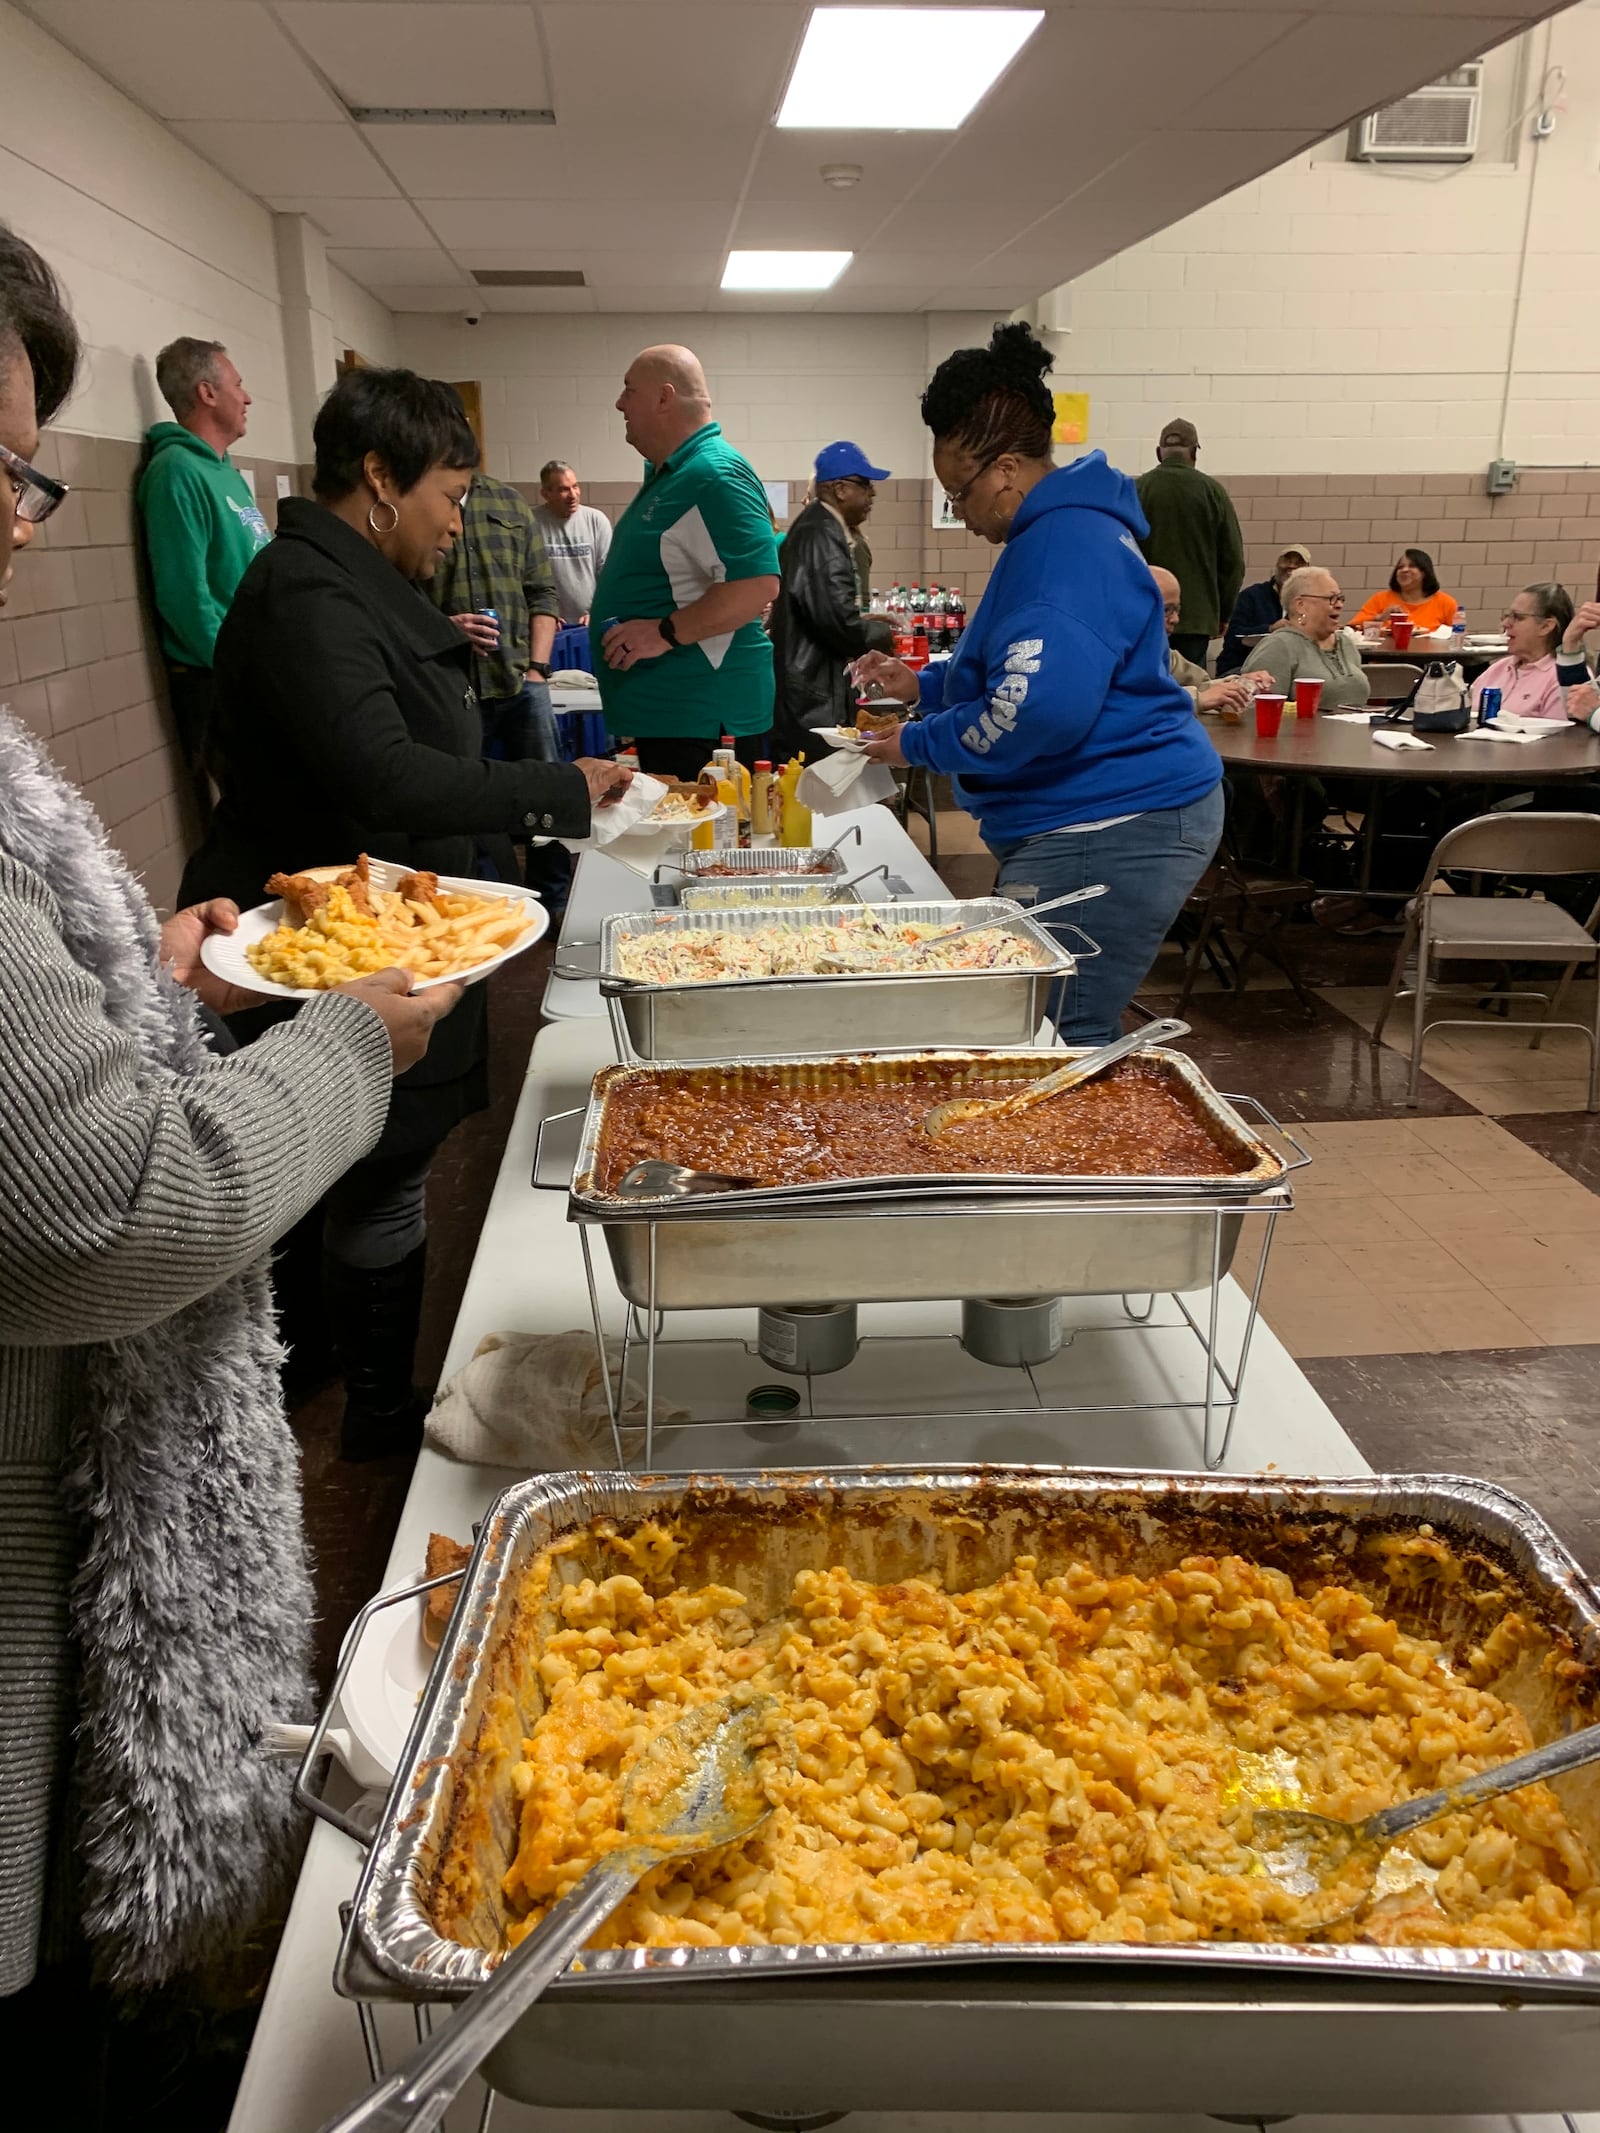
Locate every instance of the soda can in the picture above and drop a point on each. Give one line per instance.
(1488, 706)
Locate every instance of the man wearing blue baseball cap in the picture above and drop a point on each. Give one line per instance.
(817, 623)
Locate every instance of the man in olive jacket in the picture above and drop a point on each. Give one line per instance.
(817, 623)
(1194, 533)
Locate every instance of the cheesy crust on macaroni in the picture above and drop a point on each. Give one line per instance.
(1071, 1757)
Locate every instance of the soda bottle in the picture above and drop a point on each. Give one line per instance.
(956, 611)
(919, 644)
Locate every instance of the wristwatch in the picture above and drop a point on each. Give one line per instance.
(669, 634)
(541, 667)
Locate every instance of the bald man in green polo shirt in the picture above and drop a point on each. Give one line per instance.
(676, 630)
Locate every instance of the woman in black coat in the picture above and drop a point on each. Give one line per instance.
(345, 721)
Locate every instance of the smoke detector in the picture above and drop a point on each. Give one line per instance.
(841, 176)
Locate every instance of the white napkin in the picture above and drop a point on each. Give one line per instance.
(1348, 718)
(843, 780)
(533, 1401)
(575, 678)
(1509, 727)
(607, 824)
(1391, 737)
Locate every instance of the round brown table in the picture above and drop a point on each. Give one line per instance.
(1328, 748)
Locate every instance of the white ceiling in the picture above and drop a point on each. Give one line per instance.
(1115, 120)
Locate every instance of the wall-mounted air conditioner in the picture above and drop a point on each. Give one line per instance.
(1438, 124)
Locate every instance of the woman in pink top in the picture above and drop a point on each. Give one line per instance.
(1526, 677)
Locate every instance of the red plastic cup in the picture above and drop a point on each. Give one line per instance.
(1401, 632)
(1269, 715)
(1308, 697)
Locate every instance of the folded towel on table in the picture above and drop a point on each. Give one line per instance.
(1392, 737)
(534, 1401)
(575, 678)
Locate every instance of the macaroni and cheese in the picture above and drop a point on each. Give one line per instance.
(1062, 1757)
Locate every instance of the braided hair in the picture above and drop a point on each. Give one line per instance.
(993, 400)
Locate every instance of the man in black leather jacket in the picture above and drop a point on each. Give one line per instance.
(817, 623)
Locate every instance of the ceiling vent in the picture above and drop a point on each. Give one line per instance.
(529, 278)
(1438, 124)
(450, 115)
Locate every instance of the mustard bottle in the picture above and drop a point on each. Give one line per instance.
(795, 829)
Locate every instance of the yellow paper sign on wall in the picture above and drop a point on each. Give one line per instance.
(1072, 418)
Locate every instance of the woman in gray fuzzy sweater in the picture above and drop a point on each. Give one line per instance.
(154, 1598)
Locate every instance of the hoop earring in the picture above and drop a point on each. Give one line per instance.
(372, 518)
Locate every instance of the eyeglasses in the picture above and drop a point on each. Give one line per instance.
(955, 498)
(1512, 614)
(1332, 599)
(37, 494)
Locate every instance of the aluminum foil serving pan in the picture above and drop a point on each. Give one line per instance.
(796, 895)
(958, 1235)
(1248, 2027)
(758, 1018)
(769, 862)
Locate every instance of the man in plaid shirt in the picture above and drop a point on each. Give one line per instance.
(500, 564)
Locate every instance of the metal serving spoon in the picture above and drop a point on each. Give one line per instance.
(695, 1787)
(1302, 1850)
(658, 1180)
(961, 1110)
(833, 963)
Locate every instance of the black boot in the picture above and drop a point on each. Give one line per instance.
(374, 1313)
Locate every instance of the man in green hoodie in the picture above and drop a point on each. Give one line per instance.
(201, 526)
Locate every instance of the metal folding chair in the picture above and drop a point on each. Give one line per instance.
(1504, 929)
(1389, 681)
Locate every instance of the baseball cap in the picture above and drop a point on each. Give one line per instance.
(836, 462)
(1179, 432)
(1298, 548)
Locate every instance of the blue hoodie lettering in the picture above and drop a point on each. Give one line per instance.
(1060, 707)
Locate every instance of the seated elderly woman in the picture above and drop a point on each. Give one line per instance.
(1311, 644)
(1414, 586)
(1536, 625)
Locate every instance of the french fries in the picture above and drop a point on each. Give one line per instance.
(432, 932)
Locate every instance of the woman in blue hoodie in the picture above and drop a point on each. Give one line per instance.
(1058, 719)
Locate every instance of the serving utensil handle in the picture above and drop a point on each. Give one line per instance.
(422, 2087)
(987, 925)
(1571, 1752)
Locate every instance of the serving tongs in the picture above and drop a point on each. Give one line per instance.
(696, 1787)
(963, 1110)
(835, 963)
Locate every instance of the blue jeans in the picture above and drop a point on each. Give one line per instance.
(1150, 865)
(521, 726)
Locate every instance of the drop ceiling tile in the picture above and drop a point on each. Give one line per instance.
(665, 268)
(513, 225)
(406, 296)
(366, 223)
(224, 60)
(722, 66)
(819, 222)
(390, 52)
(289, 159)
(420, 268)
(611, 161)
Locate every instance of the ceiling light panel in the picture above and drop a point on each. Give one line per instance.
(901, 69)
(784, 270)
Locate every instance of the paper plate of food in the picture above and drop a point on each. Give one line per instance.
(330, 924)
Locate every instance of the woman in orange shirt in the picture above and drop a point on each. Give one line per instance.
(1413, 585)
